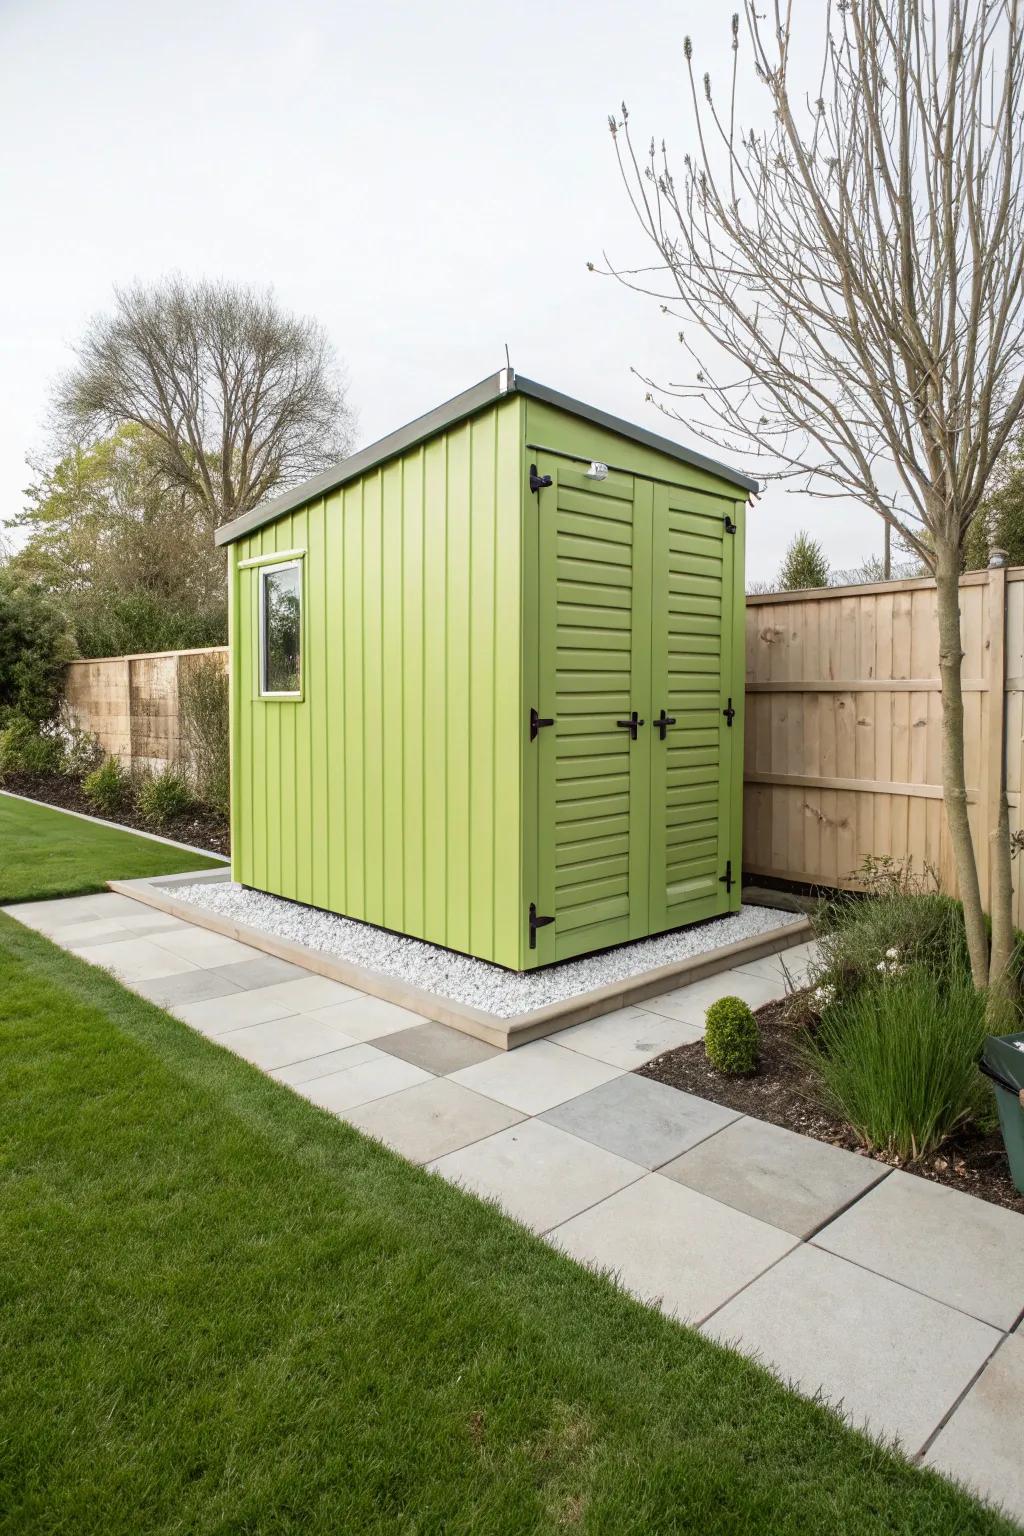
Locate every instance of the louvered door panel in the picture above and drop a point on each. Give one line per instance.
(594, 667)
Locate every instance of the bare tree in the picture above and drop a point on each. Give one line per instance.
(243, 398)
(851, 283)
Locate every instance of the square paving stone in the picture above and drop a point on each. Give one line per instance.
(368, 1018)
(793, 963)
(204, 947)
(323, 1066)
(432, 1119)
(536, 1173)
(647, 1122)
(344, 1090)
(672, 1247)
(791, 1181)
(437, 1048)
(309, 993)
(195, 986)
(981, 1444)
(233, 1009)
(536, 1077)
(260, 971)
(891, 1360)
(47, 915)
(628, 1037)
(691, 1003)
(952, 1246)
(280, 1042)
(134, 959)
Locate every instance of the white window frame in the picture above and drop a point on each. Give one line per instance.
(263, 570)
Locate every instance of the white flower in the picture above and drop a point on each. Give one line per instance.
(881, 966)
(892, 954)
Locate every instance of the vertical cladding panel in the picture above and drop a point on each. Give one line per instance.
(329, 585)
(435, 686)
(483, 470)
(509, 713)
(313, 809)
(284, 818)
(392, 688)
(372, 725)
(413, 682)
(351, 810)
(459, 704)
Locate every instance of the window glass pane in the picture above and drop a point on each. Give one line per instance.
(282, 629)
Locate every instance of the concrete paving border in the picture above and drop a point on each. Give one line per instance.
(506, 1034)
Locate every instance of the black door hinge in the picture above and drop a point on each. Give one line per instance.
(538, 482)
(535, 923)
(727, 879)
(536, 722)
(730, 526)
(729, 713)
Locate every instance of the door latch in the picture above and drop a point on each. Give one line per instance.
(663, 722)
(535, 923)
(536, 722)
(538, 482)
(728, 524)
(729, 712)
(727, 879)
(630, 725)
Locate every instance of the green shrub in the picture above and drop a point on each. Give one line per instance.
(108, 787)
(898, 1059)
(26, 748)
(35, 647)
(164, 798)
(862, 939)
(203, 721)
(731, 1037)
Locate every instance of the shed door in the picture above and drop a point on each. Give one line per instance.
(594, 670)
(691, 680)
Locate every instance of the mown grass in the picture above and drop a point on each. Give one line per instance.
(221, 1310)
(45, 852)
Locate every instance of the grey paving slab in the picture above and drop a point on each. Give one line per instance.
(536, 1077)
(432, 1119)
(233, 1009)
(791, 965)
(981, 1444)
(961, 1250)
(436, 1048)
(45, 915)
(537, 1173)
(133, 959)
(344, 1090)
(281, 1042)
(628, 1037)
(791, 1181)
(893, 1360)
(368, 1018)
(323, 1066)
(691, 1003)
(647, 1122)
(195, 986)
(204, 947)
(671, 1246)
(309, 994)
(260, 971)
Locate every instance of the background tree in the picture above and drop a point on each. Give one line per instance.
(999, 521)
(850, 279)
(241, 398)
(35, 648)
(129, 554)
(804, 565)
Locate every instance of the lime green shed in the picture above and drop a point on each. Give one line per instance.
(487, 681)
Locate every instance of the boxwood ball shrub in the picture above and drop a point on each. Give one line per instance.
(108, 787)
(164, 798)
(732, 1040)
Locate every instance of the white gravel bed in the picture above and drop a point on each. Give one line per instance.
(459, 977)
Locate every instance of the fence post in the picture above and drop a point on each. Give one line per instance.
(994, 757)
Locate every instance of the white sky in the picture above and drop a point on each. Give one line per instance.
(428, 180)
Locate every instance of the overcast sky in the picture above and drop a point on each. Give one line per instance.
(428, 180)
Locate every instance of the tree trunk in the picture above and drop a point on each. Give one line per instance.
(954, 786)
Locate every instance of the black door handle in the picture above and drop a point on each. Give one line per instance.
(630, 725)
(663, 722)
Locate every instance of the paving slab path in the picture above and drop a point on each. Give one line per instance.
(897, 1299)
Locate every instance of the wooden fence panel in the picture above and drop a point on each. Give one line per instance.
(131, 703)
(844, 725)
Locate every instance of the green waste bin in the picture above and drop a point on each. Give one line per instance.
(1003, 1061)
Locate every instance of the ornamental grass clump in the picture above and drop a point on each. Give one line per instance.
(898, 1060)
(165, 798)
(108, 788)
(732, 1041)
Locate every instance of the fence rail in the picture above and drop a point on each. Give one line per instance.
(132, 702)
(844, 725)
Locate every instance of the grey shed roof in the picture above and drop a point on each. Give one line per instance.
(505, 382)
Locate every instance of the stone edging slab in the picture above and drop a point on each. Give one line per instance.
(505, 1034)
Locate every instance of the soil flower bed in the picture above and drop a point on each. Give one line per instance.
(782, 1092)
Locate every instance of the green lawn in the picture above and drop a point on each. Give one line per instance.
(221, 1310)
(44, 852)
